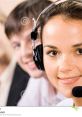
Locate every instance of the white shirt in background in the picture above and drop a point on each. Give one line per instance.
(39, 92)
(66, 102)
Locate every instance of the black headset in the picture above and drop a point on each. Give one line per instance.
(38, 50)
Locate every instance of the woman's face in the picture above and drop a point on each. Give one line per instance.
(62, 51)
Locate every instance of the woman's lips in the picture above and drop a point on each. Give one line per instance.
(68, 81)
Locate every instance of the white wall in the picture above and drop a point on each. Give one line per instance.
(7, 5)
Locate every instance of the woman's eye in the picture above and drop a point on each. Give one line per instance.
(16, 45)
(79, 51)
(52, 53)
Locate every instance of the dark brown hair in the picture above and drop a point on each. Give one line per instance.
(30, 9)
(70, 9)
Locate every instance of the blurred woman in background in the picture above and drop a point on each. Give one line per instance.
(7, 63)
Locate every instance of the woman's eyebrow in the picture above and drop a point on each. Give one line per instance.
(50, 46)
(77, 45)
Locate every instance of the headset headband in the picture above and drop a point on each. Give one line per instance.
(56, 2)
(38, 49)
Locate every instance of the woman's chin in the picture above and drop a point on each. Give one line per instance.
(67, 94)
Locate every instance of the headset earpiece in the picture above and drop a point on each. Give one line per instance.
(37, 51)
(34, 34)
(38, 56)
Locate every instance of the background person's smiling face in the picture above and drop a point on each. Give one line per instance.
(62, 52)
(22, 45)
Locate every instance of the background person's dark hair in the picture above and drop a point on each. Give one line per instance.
(70, 9)
(29, 9)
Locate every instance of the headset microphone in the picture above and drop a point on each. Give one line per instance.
(77, 91)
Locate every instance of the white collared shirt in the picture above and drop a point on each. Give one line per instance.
(39, 92)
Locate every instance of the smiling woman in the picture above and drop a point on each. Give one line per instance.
(61, 34)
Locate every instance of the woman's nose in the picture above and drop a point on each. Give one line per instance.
(65, 64)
